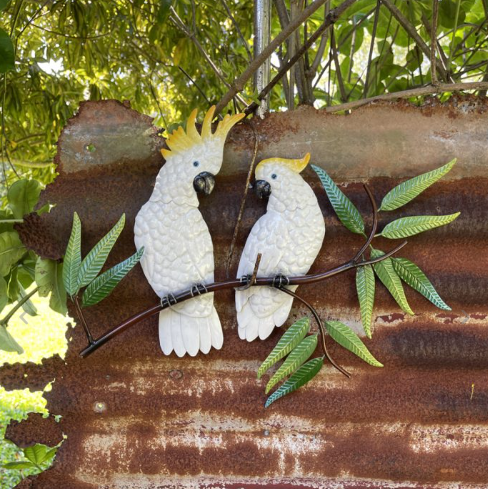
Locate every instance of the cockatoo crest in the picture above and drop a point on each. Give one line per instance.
(295, 165)
(181, 141)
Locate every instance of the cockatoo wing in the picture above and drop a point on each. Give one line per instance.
(179, 254)
(260, 309)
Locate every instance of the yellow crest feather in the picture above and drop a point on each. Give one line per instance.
(296, 165)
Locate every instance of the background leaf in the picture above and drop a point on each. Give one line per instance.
(365, 286)
(57, 301)
(22, 197)
(3, 4)
(303, 375)
(18, 465)
(297, 356)
(3, 294)
(44, 275)
(94, 261)
(72, 259)
(7, 341)
(103, 285)
(11, 251)
(36, 453)
(347, 338)
(409, 226)
(386, 273)
(7, 54)
(293, 335)
(28, 306)
(344, 208)
(412, 275)
(406, 191)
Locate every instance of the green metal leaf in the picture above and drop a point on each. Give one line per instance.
(22, 196)
(18, 465)
(386, 273)
(406, 191)
(412, 275)
(103, 285)
(303, 375)
(365, 286)
(347, 338)
(72, 259)
(94, 261)
(11, 251)
(409, 226)
(297, 356)
(293, 335)
(344, 208)
(7, 52)
(7, 341)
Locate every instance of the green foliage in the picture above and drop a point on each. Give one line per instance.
(298, 355)
(103, 285)
(22, 196)
(7, 54)
(347, 338)
(11, 250)
(386, 273)
(7, 341)
(407, 191)
(292, 337)
(409, 226)
(49, 279)
(303, 375)
(38, 456)
(344, 208)
(72, 259)
(412, 275)
(365, 286)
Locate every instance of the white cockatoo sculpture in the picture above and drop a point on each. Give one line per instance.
(178, 249)
(289, 237)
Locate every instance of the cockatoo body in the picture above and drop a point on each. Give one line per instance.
(289, 237)
(178, 249)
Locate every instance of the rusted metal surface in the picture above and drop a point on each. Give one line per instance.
(137, 419)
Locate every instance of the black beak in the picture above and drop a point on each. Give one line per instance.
(204, 183)
(262, 189)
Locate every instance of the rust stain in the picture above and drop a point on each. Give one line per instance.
(137, 419)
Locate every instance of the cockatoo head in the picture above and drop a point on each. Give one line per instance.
(280, 177)
(193, 159)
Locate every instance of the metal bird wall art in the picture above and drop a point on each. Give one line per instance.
(178, 249)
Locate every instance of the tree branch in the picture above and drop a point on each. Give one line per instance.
(240, 81)
(414, 92)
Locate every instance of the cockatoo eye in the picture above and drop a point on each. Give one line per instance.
(196, 163)
(274, 176)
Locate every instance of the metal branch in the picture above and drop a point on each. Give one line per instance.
(373, 227)
(321, 328)
(228, 284)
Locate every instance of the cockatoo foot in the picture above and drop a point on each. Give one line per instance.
(168, 300)
(198, 289)
(280, 281)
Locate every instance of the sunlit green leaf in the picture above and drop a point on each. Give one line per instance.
(293, 335)
(406, 191)
(36, 453)
(386, 273)
(344, 208)
(7, 341)
(57, 301)
(303, 375)
(28, 306)
(347, 338)
(103, 285)
(3, 293)
(365, 286)
(22, 196)
(94, 261)
(297, 356)
(18, 465)
(72, 259)
(416, 278)
(7, 53)
(409, 226)
(11, 250)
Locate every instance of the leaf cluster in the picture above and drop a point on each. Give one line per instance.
(37, 456)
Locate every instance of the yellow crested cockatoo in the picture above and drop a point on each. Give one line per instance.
(178, 249)
(289, 237)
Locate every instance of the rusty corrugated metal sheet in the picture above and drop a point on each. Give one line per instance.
(137, 419)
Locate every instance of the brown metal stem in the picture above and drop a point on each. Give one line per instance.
(79, 312)
(321, 327)
(373, 228)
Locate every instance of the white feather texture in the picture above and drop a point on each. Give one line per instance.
(289, 237)
(178, 249)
